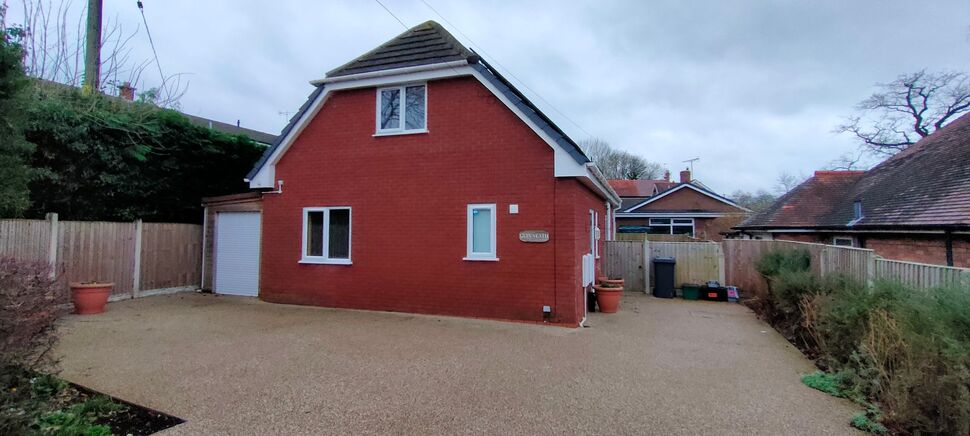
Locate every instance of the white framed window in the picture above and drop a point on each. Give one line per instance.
(672, 226)
(481, 232)
(402, 109)
(326, 235)
(843, 241)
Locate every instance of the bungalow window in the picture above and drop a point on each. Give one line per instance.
(672, 226)
(390, 101)
(843, 242)
(326, 235)
(481, 232)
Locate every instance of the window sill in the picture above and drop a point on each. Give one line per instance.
(481, 259)
(401, 132)
(311, 261)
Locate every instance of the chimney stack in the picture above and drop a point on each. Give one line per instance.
(685, 176)
(667, 175)
(126, 92)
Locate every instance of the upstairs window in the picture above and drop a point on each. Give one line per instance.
(326, 235)
(402, 109)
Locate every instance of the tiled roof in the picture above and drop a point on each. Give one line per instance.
(426, 43)
(232, 129)
(811, 202)
(926, 185)
(640, 188)
(422, 45)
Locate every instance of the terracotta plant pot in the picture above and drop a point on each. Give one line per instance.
(608, 299)
(609, 281)
(90, 298)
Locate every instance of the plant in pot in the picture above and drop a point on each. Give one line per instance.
(90, 297)
(608, 295)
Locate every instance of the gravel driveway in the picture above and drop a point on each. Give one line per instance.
(231, 365)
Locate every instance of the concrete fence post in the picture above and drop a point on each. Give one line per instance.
(52, 244)
(721, 275)
(870, 268)
(136, 275)
(646, 266)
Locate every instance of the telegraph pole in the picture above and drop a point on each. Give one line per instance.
(92, 53)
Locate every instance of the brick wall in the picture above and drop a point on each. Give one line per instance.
(688, 199)
(929, 249)
(409, 197)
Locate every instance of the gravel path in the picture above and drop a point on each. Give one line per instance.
(238, 366)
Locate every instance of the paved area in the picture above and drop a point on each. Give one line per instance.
(231, 365)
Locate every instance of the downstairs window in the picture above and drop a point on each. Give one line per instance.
(326, 235)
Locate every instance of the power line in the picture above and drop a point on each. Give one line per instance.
(507, 70)
(151, 42)
(392, 14)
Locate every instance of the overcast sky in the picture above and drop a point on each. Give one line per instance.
(752, 88)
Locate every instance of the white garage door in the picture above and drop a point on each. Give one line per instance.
(237, 253)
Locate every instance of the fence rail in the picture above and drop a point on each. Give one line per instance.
(139, 258)
(733, 261)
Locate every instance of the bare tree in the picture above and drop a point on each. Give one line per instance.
(53, 42)
(850, 161)
(617, 164)
(787, 181)
(756, 201)
(907, 109)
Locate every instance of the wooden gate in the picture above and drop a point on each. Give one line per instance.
(625, 259)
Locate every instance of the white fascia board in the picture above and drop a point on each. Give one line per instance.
(687, 186)
(564, 164)
(669, 215)
(602, 184)
(393, 72)
(266, 177)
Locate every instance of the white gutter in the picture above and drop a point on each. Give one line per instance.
(603, 184)
(393, 72)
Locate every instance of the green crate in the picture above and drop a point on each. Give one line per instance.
(690, 291)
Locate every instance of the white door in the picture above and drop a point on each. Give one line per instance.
(237, 253)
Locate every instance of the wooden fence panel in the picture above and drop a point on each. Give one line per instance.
(171, 256)
(855, 263)
(625, 259)
(97, 250)
(25, 239)
(696, 262)
(919, 275)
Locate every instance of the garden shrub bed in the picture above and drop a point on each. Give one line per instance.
(902, 354)
(47, 405)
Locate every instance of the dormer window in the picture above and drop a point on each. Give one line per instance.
(857, 210)
(392, 120)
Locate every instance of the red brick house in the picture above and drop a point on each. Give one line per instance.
(915, 206)
(664, 207)
(417, 179)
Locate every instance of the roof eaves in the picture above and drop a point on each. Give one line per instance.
(286, 131)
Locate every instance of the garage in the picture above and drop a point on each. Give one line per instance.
(232, 244)
(237, 253)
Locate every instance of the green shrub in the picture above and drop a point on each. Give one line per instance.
(863, 422)
(775, 262)
(884, 345)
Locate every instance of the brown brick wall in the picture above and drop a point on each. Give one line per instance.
(929, 249)
(689, 200)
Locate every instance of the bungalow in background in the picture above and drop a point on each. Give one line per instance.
(664, 210)
(915, 206)
(417, 179)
